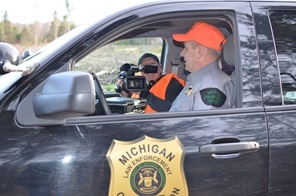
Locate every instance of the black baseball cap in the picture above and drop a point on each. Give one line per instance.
(146, 55)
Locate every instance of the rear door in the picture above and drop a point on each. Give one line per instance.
(275, 24)
(77, 155)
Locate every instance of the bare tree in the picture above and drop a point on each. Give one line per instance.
(36, 28)
(68, 14)
(37, 32)
(5, 27)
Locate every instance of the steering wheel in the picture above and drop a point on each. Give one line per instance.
(100, 95)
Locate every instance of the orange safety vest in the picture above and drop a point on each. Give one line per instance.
(157, 101)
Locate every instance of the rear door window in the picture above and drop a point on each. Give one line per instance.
(284, 30)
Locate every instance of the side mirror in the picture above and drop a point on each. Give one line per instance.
(65, 95)
(26, 54)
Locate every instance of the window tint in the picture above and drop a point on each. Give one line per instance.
(105, 61)
(284, 30)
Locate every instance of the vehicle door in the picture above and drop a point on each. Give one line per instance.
(195, 152)
(276, 39)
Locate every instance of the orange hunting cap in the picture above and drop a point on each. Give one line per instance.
(204, 34)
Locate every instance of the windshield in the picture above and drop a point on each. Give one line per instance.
(7, 80)
(50, 48)
(48, 52)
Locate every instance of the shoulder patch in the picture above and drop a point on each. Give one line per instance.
(213, 97)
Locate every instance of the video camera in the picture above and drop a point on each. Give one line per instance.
(131, 82)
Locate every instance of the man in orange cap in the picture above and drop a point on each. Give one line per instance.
(207, 86)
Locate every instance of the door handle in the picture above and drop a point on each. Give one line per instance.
(228, 148)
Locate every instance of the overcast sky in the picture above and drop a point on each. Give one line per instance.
(29, 11)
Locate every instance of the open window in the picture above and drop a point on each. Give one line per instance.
(153, 37)
(106, 61)
(104, 58)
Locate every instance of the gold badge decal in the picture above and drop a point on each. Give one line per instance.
(147, 166)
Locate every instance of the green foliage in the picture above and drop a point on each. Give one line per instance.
(63, 28)
(24, 36)
(109, 88)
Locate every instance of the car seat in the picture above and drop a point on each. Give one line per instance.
(227, 57)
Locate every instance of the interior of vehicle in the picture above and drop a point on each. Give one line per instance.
(168, 52)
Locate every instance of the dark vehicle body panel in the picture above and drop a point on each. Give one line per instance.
(281, 120)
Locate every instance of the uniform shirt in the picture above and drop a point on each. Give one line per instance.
(206, 88)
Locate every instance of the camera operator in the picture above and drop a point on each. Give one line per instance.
(161, 89)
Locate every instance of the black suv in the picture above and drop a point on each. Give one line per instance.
(64, 132)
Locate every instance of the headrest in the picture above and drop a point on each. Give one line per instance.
(228, 51)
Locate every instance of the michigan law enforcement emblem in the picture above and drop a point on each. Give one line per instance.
(147, 167)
